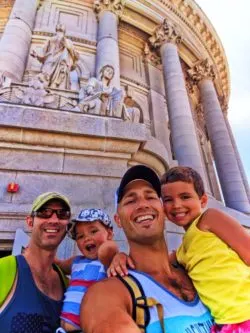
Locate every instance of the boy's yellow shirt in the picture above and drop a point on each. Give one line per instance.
(220, 277)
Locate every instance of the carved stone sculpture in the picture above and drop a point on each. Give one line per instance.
(115, 6)
(166, 32)
(201, 70)
(100, 97)
(58, 58)
(36, 93)
(5, 81)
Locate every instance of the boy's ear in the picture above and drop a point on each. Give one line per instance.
(204, 200)
(117, 220)
(29, 221)
(110, 234)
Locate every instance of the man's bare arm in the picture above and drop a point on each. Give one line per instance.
(106, 308)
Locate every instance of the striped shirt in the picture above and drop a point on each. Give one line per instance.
(85, 272)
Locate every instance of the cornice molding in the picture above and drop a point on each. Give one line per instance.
(191, 16)
(74, 39)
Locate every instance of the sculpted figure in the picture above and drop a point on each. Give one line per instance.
(5, 81)
(100, 96)
(58, 58)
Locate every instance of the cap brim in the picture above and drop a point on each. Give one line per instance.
(139, 172)
(48, 197)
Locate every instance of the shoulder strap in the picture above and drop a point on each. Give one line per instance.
(8, 269)
(62, 276)
(141, 303)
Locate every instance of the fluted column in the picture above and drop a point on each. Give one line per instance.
(225, 158)
(183, 132)
(241, 167)
(107, 53)
(15, 41)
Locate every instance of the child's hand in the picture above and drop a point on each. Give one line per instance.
(120, 264)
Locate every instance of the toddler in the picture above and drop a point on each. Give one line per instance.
(93, 232)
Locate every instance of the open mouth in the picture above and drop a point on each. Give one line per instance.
(144, 218)
(51, 231)
(90, 247)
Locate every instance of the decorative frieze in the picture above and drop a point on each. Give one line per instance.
(167, 32)
(201, 70)
(114, 6)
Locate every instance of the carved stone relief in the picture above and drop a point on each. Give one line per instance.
(58, 58)
(151, 56)
(167, 32)
(201, 70)
(115, 6)
(51, 87)
(99, 95)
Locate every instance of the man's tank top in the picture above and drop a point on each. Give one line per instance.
(29, 310)
(179, 316)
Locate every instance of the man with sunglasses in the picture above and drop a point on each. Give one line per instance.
(34, 299)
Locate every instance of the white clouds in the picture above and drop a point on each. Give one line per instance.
(231, 20)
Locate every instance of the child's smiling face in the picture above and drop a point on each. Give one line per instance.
(182, 203)
(89, 237)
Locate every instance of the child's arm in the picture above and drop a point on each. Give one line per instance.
(109, 255)
(65, 265)
(229, 230)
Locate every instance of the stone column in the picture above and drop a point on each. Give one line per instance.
(241, 167)
(107, 53)
(15, 41)
(183, 132)
(225, 158)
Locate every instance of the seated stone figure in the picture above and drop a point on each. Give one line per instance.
(100, 97)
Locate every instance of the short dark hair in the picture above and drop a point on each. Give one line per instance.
(184, 174)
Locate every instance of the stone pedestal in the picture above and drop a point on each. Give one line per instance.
(15, 41)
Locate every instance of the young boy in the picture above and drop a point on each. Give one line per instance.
(93, 232)
(215, 250)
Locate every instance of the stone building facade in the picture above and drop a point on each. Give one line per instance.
(89, 88)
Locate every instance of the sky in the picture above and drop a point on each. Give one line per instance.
(231, 22)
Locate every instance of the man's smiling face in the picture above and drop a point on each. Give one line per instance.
(48, 233)
(140, 213)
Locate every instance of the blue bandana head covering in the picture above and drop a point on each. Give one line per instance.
(89, 215)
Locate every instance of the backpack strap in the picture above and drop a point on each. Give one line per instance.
(141, 303)
(8, 270)
(63, 278)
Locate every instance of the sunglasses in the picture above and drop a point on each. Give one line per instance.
(46, 213)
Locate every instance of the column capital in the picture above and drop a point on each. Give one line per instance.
(167, 32)
(201, 70)
(223, 104)
(114, 6)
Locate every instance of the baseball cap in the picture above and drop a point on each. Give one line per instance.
(89, 215)
(43, 198)
(139, 172)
